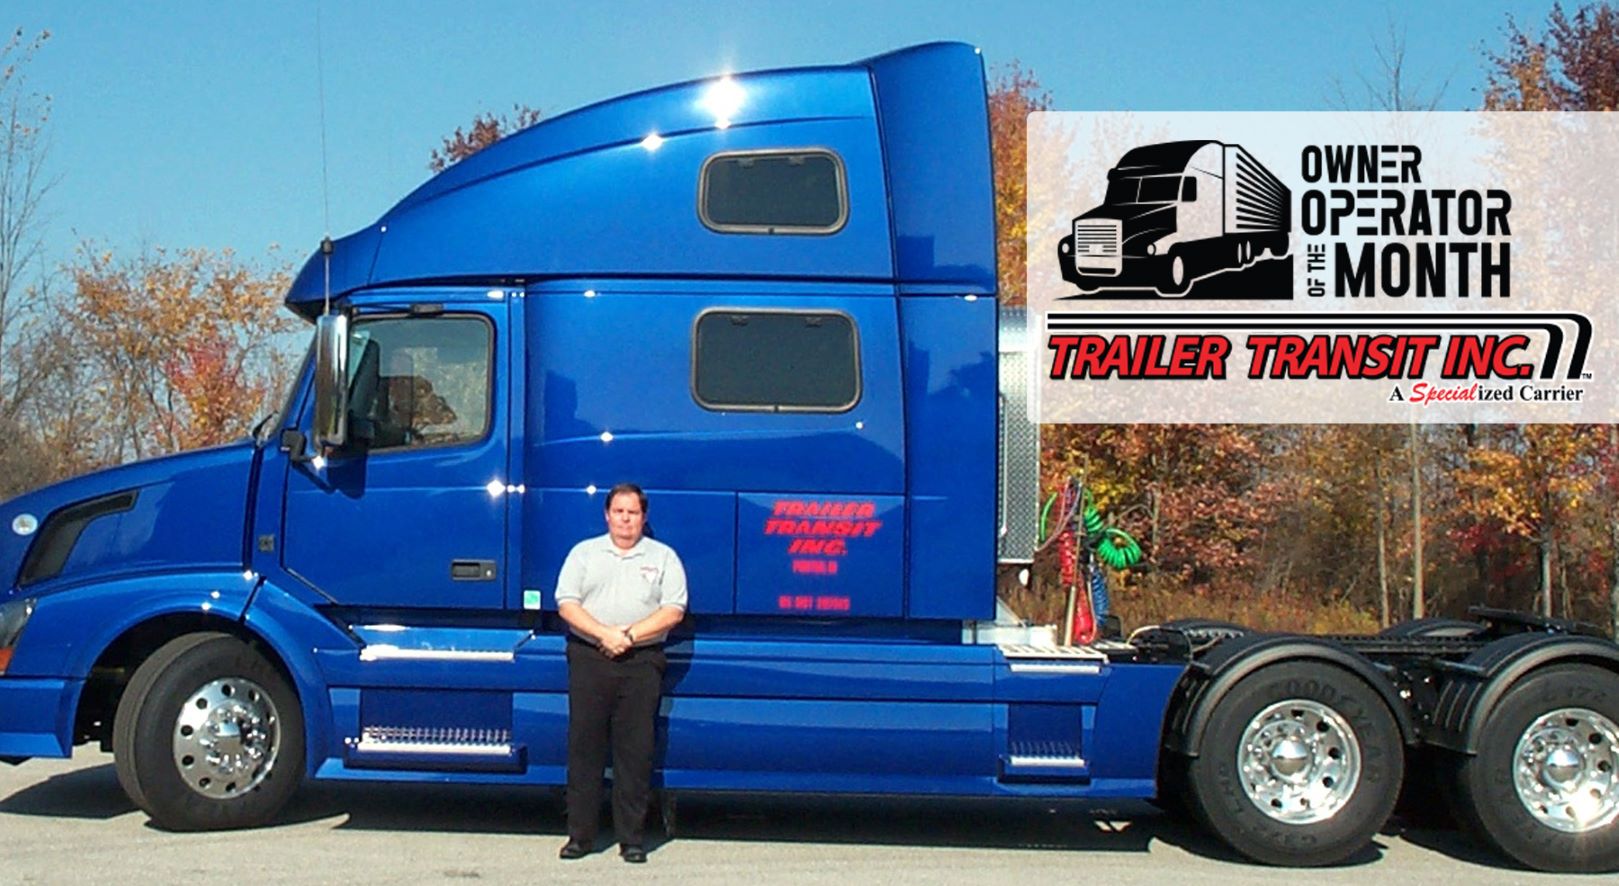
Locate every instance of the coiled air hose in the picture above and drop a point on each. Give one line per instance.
(1111, 546)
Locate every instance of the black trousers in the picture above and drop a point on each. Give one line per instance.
(611, 701)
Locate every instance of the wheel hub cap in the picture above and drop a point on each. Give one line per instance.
(1564, 770)
(1300, 761)
(226, 738)
(1289, 758)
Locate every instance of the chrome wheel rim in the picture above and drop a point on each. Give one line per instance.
(1300, 761)
(226, 738)
(1563, 769)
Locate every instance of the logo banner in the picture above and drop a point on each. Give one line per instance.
(1323, 267)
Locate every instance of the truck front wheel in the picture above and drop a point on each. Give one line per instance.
(1177, 276)
(1300, 765)
(1544, 786)
(208, 736)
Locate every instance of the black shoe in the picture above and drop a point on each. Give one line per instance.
(632, 853)
(574, 849)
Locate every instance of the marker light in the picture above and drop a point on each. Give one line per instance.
(495, 488)
(13, 618)
(607, 436)
(652, 142)
(25, 524)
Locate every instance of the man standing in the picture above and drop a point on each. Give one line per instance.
(620, 593)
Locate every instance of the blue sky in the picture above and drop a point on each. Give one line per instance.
(182, 124)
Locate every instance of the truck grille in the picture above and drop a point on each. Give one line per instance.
(1096, 247)
(1096, 238)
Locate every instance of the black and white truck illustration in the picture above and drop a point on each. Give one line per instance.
(1175, 212)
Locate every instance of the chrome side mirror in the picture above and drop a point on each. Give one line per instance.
(331, 381)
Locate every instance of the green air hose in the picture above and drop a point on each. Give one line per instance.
(1114, 547)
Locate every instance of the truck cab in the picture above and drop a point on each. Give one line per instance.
(753, 295)
(1175, 212)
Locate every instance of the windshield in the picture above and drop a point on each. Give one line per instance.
(1122, 190)
(1144, 189)
(1160, 188)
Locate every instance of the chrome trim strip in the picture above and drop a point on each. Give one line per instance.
(1019, 667)
(1052, 653)
(1055, 762)
(394, 653)
(366, 746)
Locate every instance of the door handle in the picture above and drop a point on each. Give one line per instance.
(472, 570)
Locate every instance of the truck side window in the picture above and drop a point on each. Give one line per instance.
(776, 361)
(774, 192)
(420, 381)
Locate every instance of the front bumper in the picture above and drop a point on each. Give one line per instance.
(1126, 271)
(36, 716)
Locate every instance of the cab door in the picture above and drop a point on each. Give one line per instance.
(412, 513)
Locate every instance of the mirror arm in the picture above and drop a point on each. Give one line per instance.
(295, 445)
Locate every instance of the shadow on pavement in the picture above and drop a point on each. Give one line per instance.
(954, 823)
(93, 793)
(430, 807)
(922, 822)
(1449, 842)
(83, 793)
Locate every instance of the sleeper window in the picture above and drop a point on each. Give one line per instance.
(774, 192)
(776, 361)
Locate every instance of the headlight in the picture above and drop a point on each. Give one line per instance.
(13, 618)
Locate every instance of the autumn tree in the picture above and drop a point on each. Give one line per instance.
(485, 129)
(183, 347)
(1571, 65)
(24, 113)
(1014, 93)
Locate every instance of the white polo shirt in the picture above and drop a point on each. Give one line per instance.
(619, 587)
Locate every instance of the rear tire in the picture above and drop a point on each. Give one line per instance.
(1203, 630)
(1300, 765)
(208, 736)
(1433, 626)
(1563, 720)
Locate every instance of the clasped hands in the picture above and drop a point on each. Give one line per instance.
(616, 641)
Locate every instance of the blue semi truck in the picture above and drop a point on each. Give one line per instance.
(770, 299)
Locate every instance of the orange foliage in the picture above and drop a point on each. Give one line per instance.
(1153, 602)
(1014, 93)
(1573, 67)
(184, 344)
(485, 130)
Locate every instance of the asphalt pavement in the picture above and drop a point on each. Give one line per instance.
(67, 821)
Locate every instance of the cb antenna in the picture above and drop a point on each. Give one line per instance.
(325, 185)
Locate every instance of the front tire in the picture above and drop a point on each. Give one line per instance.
(1300, 765)
(209, 736)
(1543, 788)
(1177, 276)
